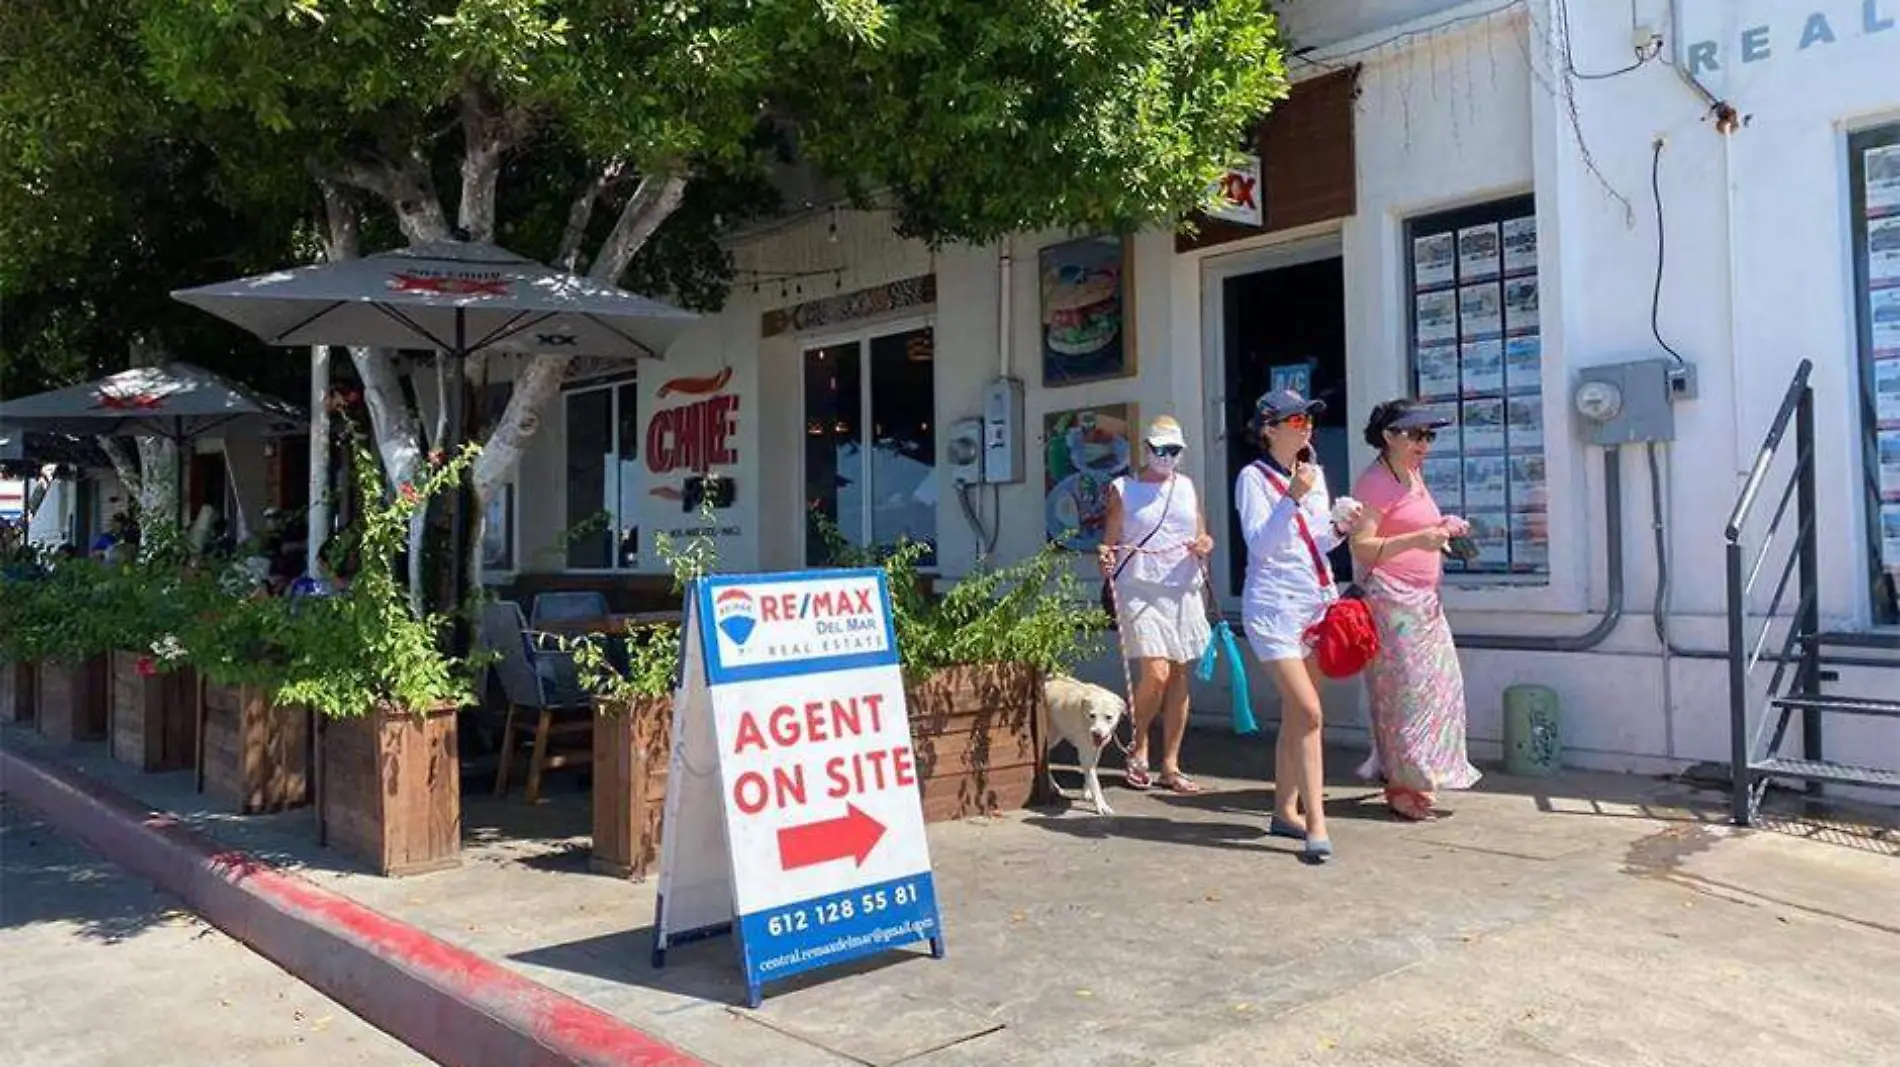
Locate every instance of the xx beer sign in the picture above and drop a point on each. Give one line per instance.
(793, 814)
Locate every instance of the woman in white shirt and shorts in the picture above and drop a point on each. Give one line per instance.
(1286, 518)
(1154, 543)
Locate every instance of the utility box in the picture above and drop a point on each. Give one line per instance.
(1631, 403)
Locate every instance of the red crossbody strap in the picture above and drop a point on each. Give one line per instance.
(1299, 516)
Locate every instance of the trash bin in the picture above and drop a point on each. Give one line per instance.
(1533, 741)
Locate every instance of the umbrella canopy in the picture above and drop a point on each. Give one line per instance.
(459, 297)
(176, 401)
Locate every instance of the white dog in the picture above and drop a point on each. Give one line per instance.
(1085, 716)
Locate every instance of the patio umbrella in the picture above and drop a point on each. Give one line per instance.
(176, 401)
(458, 297)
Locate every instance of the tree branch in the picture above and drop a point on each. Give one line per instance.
(490, 130)
(581, 211)
(658, 196)
(124, 465)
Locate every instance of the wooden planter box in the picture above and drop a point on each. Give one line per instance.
(72, 700)
(977, 733)
(632, 751)
(154, 718)
(16, 692)
(253, 754)
(391, 791)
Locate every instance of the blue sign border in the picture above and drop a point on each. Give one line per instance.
(717, 673)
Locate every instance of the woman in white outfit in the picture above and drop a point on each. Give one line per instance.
(1153, 544)
(1286, 517)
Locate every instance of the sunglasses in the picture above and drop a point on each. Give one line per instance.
(1296, 422)
(1423, 437)
(1165, 450)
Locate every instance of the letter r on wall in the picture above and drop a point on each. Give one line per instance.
(1702, 58)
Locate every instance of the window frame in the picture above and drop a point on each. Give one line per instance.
(862, 335)
(612, 387)
(1883, 603)
(1494, 211)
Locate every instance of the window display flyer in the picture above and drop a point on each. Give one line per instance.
(1887, 393)
(1483, 425)
(1520, 245)
(1438, 317)
(1492, 534)
(1437, 372)
(1523, 364)
(1883, 180)
(1883, 312)
(1520, 305)
(1883, 251)
(1524, 423)
(1434, 261)
(1479, 256)
(1444, 479)
(1483, 368)
(1889, 445)
(1480, 313)
(1530, 542)
(1890, 536)
(1527, 482)
(1484, 482)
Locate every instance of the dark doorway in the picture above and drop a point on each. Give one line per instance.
(1292, 319)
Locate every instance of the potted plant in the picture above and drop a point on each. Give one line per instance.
(71, 632)
(974, 660)
(386, 695)
(152, 688)
(253, 748)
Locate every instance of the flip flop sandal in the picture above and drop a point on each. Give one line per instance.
(1410, 804)
(1278, 827)
(1136, 775)
(1179, 783)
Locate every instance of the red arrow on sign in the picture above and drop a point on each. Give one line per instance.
(852, 836)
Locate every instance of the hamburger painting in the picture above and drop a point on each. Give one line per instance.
(1084, 316)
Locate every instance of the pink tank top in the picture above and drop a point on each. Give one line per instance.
(1401, 511)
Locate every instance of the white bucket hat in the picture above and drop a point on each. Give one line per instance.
(1164, 431)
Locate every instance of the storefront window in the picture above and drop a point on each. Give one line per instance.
(603, 478)
(1874, 163)
(1477, 356)
(870, 442)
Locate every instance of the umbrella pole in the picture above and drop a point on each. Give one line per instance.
(454, 387)
(317, 518)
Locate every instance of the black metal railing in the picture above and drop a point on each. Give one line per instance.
(1801, 568)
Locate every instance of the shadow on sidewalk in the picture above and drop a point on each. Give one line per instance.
(47, 878)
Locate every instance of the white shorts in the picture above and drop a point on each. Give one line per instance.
(1279, 633)
(1162, 621)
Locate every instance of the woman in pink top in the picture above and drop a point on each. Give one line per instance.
(1417, 690)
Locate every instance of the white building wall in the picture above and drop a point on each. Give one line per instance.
(1468, 103)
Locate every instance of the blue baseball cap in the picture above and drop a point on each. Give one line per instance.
(1283, 404)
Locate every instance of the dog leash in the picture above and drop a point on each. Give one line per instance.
(1121, 640)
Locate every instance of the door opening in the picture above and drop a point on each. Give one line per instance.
(1286, 327)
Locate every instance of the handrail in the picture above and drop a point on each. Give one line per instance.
(1790, 401)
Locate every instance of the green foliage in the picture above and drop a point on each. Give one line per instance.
(651, 653)
(363, 648)
(1035, 611)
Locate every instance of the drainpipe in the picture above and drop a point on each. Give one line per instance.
(1613, 563)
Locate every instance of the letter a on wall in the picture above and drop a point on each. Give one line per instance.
(793, 816)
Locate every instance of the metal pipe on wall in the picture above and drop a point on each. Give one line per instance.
(1613, 563)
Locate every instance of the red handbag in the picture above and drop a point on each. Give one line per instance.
(1345, 638)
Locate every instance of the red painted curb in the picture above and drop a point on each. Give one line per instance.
(445, 1002)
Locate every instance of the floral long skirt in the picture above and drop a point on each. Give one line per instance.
(1417, 692)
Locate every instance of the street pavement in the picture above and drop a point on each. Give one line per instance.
(98, 969)
(1589, 919)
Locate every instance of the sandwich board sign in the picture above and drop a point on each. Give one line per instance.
(793, 818)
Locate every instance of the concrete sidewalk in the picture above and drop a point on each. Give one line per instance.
(1590, 919)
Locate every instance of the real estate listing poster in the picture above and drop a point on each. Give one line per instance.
(1483, 369)
(1524, 363)
(1485, 482)
(1520, 245)
(1434, 261)
(1520, 305)
(1524, 423)
(1887, 393)
(1889, 444)
(1478, 253)
(1883, 311)
(1491, 531)
(1883, 180)
(1527, 482)
(1883, 251)
(1484, 425)
(1444, 479)
(1890, 535)
(1438, 372)
(1530, 543)
(1438, 317)
(1480, 313)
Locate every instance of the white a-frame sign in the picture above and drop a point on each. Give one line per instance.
(793, 816)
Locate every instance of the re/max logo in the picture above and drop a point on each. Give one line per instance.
(789, 607)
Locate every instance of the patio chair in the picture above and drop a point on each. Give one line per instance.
(557, 607)
(544, 694)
